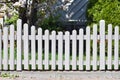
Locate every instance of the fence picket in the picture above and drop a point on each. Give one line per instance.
(94, 47)
(102, 45)
(5, 47)
(33, 47)
(26, 47)
(0, 49)
(88, 48)
(116, 48)
(46, 50)
(67, 50)
(53, 50)
(74, 50)
(19, 44)
(60, 51)
(109, 46)
(81, 42)
(40, 62)
(2, 22)
(11, 47)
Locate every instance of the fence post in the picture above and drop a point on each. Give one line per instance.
(33, 52)
(53, 50)
(46, 50)
(109, 46)
(102, 45)
(60, 50)
(116, 48)
(81, 42)
(1, 22)
(11, 47)
(26, 47)
(5, 42)
(88, 48)
(19, 44)
(74, 50)
(40, 61)
(67, 50)
(94, 47)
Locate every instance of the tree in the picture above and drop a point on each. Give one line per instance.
(108, 10)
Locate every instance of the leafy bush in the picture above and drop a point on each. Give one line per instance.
(12, 20)
(108, 10)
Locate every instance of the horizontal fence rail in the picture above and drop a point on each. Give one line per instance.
(20, 50)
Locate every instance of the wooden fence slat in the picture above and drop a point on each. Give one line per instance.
(26, 47)
(53, 50)
(12, 47)
(19, 44)
(5, 48)
(109, 46)
(40, 61)
(2, 21)
(81, 42)
(60, 50)
(74, 50)
(88, 48)
(0, 49)
(94, 47)
(46, 50)
(102, 45)
(33, 47)
(67, 50)
(116, 48)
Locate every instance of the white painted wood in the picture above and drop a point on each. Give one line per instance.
(46, 49)
(60, 50)
(109, 46)
(94, 47)
(33, 47)
(12, 47)
(5, 48)
(0, 49)
(26, 47)
(88, 48)
(19, 44)
(81, 42)
(116, 48)
(102, 45)
(53, 50)
(74, 50)
(67, 50)
(40, 61)
(1, 22)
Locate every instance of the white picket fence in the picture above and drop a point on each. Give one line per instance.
(95, 58)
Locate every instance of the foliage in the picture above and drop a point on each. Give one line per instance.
(47, 17)
(12, 20)
(108, 10)
(50, 23)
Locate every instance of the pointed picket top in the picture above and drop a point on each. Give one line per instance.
(53, 32)
(32, 27)
(81, 31)
(39, 29)
(60, 33)
(19, 21)
(25, 24)
(102, 21)
(67, 33)
(74, 32)
(109, 25)
(87, 28)
(47, 31)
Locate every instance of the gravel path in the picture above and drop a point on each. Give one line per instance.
(65, 75)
